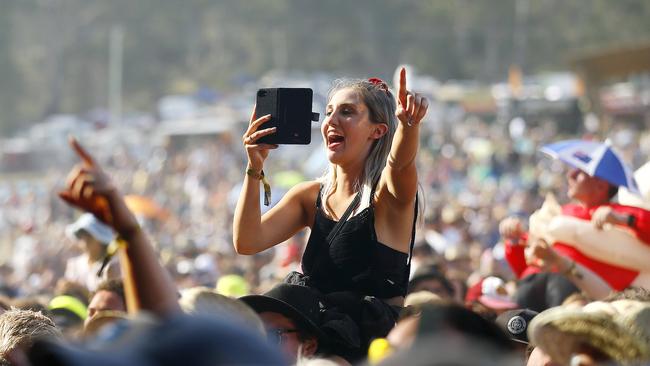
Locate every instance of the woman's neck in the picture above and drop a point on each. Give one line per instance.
(347, 180)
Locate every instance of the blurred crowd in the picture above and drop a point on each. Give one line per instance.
(473, 173)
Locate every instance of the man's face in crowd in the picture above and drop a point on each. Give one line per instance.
(104, 300)
(284, 330)
(585, 188)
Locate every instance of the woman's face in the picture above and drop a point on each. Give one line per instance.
(347, 130)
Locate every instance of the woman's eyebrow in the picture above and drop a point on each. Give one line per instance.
(347, 104)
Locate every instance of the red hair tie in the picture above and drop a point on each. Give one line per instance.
(379, 83)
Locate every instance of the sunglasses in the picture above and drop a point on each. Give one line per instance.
(276, 335)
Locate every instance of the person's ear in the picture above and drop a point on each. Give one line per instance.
(582, 360)
(379, 130)
(309, 347)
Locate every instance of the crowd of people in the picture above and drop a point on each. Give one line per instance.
(416, 246)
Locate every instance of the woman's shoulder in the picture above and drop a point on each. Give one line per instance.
(305, 194)
(306, 186)
(306, 191)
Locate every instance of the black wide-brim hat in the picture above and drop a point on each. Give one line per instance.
(301, 304)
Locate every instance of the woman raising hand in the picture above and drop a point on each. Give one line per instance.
(362, 212)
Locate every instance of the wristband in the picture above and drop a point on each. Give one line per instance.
(253, 173)
(117, 243)
(267, 187)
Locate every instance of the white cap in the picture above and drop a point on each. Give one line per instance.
(494, 294)
(90, 224)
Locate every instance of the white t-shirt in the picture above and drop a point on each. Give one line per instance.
(78, 269)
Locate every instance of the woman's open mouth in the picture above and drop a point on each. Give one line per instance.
(334, 140)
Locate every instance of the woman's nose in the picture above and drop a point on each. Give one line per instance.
(330, 120)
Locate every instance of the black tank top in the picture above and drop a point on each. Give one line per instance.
(355, 260)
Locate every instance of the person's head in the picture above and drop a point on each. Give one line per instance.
(71, 288)
(599, 333)
(108, 296)
(20, 328)
(541, 291)
(68, 313)
(447, 321)
(591, 191)
(494, 296)
(94, 234)
(291, 315)
(419, 298)
(30, 303)
(429, 278)
(205, 301)
(578, 299)
(359, 126)
(630, 293)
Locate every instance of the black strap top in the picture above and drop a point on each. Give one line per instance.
(355, 260)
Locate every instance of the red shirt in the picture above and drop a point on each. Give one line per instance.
(618, 277)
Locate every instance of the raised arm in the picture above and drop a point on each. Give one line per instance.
(514, 240)
(400, 175)
(586, 280)
(91, 190)
(632, 218)
(252, 232)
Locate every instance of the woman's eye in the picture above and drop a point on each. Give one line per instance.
(328, 113)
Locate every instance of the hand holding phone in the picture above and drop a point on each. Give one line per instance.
(257, 152)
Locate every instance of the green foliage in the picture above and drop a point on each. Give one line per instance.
(54, 54)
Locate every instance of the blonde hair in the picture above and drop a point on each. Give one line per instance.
(205, 301)
(20, 328)
(381, 109)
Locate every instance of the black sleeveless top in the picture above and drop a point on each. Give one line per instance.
(355, 260)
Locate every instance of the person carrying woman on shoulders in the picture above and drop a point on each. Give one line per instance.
(362, 212)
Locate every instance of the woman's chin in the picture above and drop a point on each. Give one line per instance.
(333, 157)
